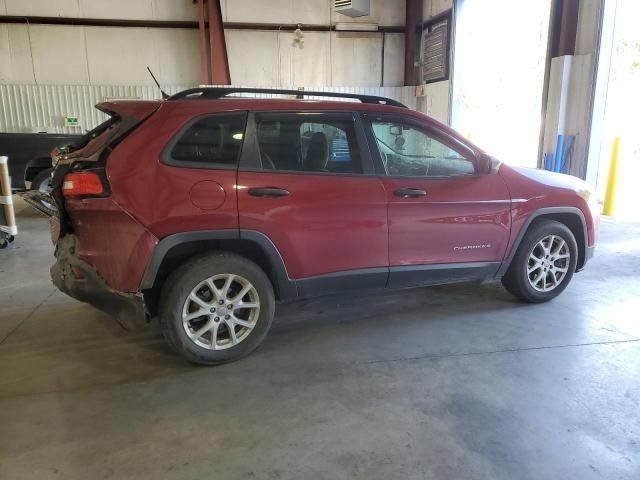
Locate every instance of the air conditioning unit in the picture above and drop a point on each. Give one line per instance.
(353, 8)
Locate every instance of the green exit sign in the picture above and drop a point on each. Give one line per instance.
(71, 122)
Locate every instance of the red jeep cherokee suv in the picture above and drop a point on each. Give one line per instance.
(206, 209)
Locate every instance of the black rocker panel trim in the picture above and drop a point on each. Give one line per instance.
(423, 275)
(362, 279)
(395, 277)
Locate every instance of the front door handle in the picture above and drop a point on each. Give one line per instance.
(269, 192)
(409, 192)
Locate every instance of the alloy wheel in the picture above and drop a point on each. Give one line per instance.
(221, 311)
(46, 187)
(548, 263)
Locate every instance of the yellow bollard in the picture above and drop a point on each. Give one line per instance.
(610, 195)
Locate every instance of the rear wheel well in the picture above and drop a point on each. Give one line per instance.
(185, 251)
(573, 223)
(35, 166)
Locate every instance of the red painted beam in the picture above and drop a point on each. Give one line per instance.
(568, 27)
(205, 67)
(413, 19)
(218, 47)
(563, 27)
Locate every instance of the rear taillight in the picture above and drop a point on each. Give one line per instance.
(82, 184)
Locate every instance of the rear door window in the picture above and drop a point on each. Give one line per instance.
(335, 136)
(308, 142)
(214, 141)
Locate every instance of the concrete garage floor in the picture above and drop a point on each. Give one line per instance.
(451, 382)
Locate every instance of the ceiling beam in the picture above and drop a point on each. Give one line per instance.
(112, 22)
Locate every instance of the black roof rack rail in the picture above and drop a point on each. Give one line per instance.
(212, 93)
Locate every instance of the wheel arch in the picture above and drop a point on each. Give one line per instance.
(178, 248)
(35, 166)
(571, 217)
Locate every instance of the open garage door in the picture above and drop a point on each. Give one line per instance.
(498, 75)
(622, 57)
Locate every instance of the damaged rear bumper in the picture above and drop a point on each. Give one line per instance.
(81, 281)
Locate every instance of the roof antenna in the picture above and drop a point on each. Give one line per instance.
(164, 94)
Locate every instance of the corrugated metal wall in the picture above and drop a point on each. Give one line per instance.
(37, 108)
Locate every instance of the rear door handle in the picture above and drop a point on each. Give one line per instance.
(268, 192)
(409, 192)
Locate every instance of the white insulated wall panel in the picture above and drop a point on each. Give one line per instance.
(356, 59)
(120, 9)
(318, 12)
(116, 54)
(178, 57)
(15, 55)
(393, 59)
(436, 101)
(431, 8)
(265, 58)
(59, 54)
(312, 12)
(43, 8)
(67, 55)
(253, 57)
(306, 63)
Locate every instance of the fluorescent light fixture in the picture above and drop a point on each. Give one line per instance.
(356, 27)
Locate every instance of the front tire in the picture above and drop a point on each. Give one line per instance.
(216, 308)
(543, 264)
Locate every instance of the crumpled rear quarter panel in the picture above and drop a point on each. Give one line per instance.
(112, 241)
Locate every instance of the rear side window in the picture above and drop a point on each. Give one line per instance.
(310, 143)
(339, 152)
(213, 141)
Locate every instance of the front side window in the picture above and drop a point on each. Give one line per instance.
(214, 141)
(408, 152)
(323, 144)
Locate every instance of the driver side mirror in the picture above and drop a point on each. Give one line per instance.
(485, 163)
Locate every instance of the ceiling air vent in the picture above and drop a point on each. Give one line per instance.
(352, 8)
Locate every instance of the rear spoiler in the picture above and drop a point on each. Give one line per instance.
(134, 109)
(130, 113)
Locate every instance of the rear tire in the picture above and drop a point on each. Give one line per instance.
(543, 264)
(216, 308)
(42, 181)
